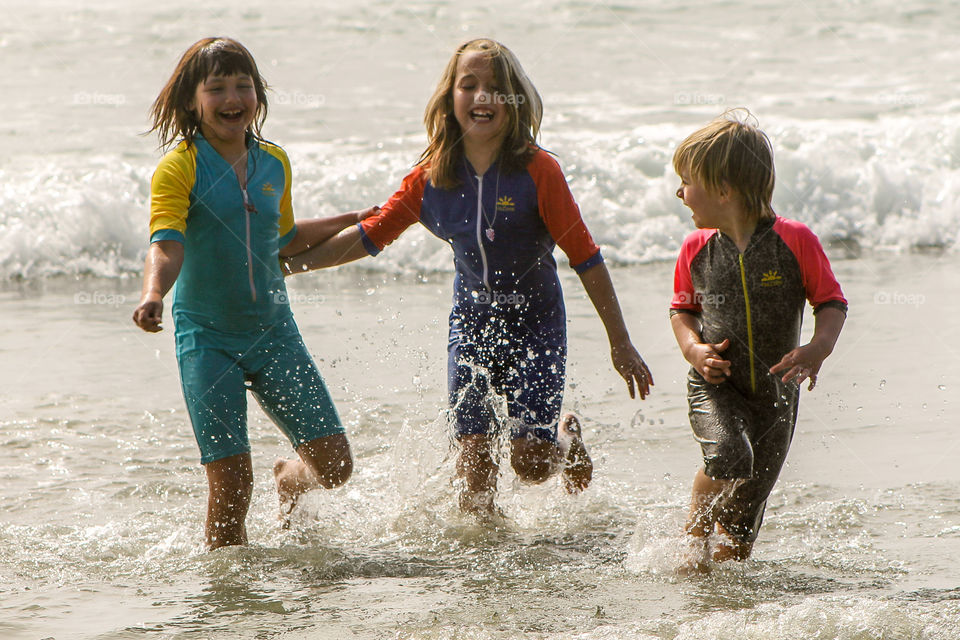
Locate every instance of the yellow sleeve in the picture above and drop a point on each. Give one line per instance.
(170, 193)
(286, 200)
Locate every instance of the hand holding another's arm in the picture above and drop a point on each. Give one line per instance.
(315, 231)
(344, 247)
(704, 357)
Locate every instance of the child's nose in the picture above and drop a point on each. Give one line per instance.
(680, 192)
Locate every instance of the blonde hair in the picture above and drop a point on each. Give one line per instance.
(731, 152)
(522, 103)
(172, 119)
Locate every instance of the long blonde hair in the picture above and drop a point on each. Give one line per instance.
(524, 111)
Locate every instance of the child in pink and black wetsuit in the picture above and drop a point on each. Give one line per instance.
(739, 290)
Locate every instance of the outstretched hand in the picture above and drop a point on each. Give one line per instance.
(634, 370)
(706, 360)
(800, 364)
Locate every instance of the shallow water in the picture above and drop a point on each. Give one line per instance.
(102, 495)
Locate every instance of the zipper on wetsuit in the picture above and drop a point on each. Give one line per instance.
(746, 302)
(246, 210)
(483, 254)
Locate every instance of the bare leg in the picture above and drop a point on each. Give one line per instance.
(324, 462)
(479, 471)
(230, 482)
(704, 506)
(705, 503)
(578, 467)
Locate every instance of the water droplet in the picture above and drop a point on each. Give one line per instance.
(883, 383)
(942, 387)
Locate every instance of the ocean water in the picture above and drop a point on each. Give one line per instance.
(101, 495)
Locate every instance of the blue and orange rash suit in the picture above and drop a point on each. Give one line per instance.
(231, 279)
(502, 228)
(756, 298)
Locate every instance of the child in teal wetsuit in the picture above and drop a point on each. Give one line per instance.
(220, 219)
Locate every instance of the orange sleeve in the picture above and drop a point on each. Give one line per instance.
(561, 214)
(398, 213)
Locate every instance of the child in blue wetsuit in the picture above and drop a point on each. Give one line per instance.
(502, 203)
(220, 218)
(739, 290)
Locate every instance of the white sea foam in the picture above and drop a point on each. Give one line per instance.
(885, 185)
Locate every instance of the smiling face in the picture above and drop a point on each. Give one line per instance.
(477, 105)
(708, 207)
(225, 107)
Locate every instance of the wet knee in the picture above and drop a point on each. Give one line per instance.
(732, 459)
(534, 460)
(335, 472)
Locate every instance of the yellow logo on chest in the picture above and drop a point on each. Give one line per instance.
(505, 203)
(771, 279)
(268, 189)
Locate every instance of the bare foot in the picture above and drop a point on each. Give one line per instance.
(694, 555)
(577, 467)
(479, 503)
(726, 547)
(285, 474)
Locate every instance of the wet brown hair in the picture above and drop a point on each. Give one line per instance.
(522, 103)
(732, 152)
(170, 115)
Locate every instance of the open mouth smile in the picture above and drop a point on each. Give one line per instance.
(481, 115)
(232, 116)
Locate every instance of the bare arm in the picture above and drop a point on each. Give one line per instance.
(805, 361)
(628, 363)
(315, 231)
(703, 356)
(160, 271)
(344, 247)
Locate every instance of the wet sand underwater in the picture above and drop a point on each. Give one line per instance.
(103, 497)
